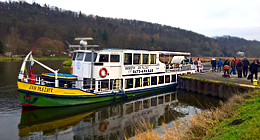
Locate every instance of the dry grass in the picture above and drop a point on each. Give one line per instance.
(200, 125)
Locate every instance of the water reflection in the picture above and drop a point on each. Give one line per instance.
(107, 120)
(96, 121)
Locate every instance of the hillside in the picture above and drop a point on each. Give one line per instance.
(46, 29)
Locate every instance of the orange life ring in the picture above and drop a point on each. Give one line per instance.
(100, 72)
(103, 127)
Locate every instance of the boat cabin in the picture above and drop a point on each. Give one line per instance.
(116, 69)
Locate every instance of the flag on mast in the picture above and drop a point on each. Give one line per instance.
(30, 69)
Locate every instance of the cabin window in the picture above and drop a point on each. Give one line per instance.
(80, 56)
(173, 78)
(88, 57)
(74, 56)
(103, 57)
(146, 81)
(87, 83)
(138, 82)
(115, 84)
(154, 80)
(114, 58)
(127, 59)
(145, 58)
(137, 58)
(167, 78)
(104, 85)
(153, 59)
(161, 79)
(128, 83)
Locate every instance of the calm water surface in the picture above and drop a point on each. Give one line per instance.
(106, 120)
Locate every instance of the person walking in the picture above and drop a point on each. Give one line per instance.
(226, 67)
(253, 68)
(235, 59)
(219, 63)
(240, 66)
(199, 65)
(246, 66)
(213, 63)
(233, 66)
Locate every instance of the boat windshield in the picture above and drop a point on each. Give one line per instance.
(80, 56)
(88, 57)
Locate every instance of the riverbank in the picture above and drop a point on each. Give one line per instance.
(238, 118)
(43, 58)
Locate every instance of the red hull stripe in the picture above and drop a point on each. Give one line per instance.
(23, 104)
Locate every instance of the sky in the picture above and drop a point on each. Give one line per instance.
(240, 18)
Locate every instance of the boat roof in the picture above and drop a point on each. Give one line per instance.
(137, 51)
(172, 53)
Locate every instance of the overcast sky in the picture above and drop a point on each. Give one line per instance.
(240, 18)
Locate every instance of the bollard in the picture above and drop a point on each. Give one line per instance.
(254, 82)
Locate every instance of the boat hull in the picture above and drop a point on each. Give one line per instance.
(40, 98)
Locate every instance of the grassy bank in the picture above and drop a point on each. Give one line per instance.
(238, 118)
(67, 63)
(43, 58)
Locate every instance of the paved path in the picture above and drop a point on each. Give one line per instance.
(218, 77)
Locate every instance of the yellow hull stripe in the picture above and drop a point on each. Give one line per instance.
(71, 121)
(51, 90)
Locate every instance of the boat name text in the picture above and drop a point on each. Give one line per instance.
(143, 71)
(42, 89)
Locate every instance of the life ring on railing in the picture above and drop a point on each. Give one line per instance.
(103, 75)
(103, 127)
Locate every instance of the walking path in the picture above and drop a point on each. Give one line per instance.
(218, 77)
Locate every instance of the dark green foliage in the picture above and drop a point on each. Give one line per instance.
(33, 22)
(1, 47)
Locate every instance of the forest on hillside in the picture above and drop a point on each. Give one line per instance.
(46, 29)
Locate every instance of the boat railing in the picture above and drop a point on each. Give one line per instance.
(35, 79)
(179, 67)
(103, 86)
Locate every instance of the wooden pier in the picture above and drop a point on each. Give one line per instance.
(213, 84)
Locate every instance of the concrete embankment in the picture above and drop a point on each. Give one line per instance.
(213, 84)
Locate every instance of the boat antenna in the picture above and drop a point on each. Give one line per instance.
(83, 43)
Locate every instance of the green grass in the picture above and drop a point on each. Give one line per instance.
(67, 63)
(249, 110)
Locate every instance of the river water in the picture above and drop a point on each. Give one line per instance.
(106, 120)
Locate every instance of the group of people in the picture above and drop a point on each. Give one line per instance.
(239, 66)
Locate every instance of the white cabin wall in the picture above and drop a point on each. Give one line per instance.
(87, 70)
(113, 72)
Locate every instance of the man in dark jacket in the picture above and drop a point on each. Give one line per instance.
(246, 66)
(213, 63)
(253, 68)
(240, 66)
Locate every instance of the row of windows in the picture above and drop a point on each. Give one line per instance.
(80, 55)
(137, 58)
(146, 58)
(147, 81)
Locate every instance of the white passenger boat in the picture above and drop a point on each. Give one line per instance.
(101, 75)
